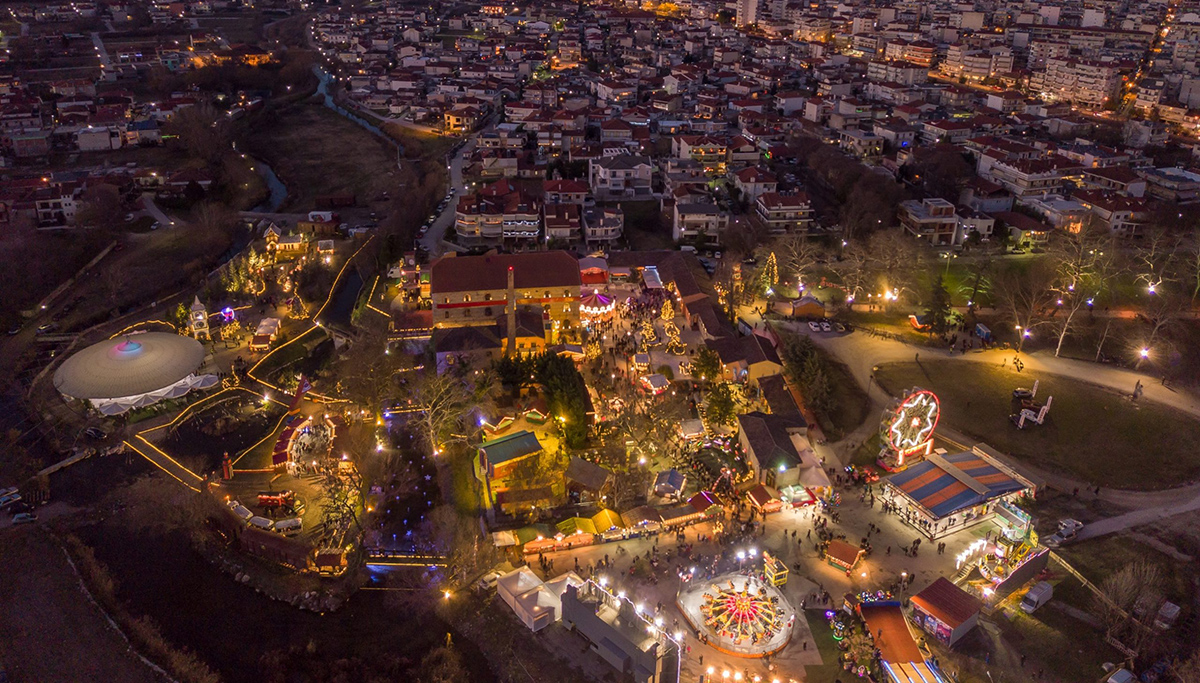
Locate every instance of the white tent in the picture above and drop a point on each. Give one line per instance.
(558, 586)
(538, 608)
(516, 582)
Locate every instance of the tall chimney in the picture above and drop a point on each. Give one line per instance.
(510, 309)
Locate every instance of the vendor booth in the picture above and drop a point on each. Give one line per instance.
(842, 555)
(945, 611)
(669, 483)
(764, 499)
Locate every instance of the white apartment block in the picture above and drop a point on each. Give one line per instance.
(1082, 82)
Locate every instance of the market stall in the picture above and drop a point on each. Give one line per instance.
(842, 555)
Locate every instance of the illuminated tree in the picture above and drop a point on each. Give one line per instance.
(668, 311)
(719, 407)
(707, 364)
(768, 276)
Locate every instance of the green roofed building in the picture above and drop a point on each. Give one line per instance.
(496, 462)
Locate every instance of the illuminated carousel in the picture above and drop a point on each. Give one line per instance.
(596, 306)
(739, 615)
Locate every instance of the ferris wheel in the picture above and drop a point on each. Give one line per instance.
(909, 427)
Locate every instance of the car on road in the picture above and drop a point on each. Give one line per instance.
(24, 518)
(814, 326)
(95, 433)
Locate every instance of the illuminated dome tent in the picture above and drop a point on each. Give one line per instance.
(133, 371)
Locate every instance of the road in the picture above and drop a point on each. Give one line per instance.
(156, 213)
(433, 239)
(101, 51)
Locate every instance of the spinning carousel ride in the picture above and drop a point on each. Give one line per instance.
(739, 615)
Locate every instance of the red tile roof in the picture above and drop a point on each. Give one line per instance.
(947, 602)
(490, 272)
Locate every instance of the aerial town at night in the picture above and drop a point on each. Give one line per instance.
(600, 341)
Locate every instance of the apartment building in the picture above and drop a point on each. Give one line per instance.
(1083, 82)
(700, 222)
(785, 213)
(931, 219)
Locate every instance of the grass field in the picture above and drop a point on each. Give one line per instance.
(1090, 433)
(48, 629)
(315, 152)
(849, 402)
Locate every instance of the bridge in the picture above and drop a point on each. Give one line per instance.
(396, 558)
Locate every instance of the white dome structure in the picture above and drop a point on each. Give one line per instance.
(133, 371)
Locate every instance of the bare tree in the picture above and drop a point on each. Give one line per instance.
(1139, 583)
(894, 259)
(367, 370)
(852, 268)
(1162, 311)
(1155, 259)
(442, 401)
(1186, 670)
(1187, 266)
(459, 538)
(101, 208)
(1026, 298)
(1083, 262)
(798, 256)
(203, 131)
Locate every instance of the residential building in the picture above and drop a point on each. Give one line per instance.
(621, 177)
(785, 213)
(701, 222)
(603, 225)
(931, 219)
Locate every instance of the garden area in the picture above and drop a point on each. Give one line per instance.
(1093, 434)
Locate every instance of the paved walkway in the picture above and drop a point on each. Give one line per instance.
(862, 353)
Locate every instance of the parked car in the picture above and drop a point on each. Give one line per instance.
(1061, 536)
(1076, 525)
(155, 225)
(14, 330)
(24, 518)
(838, 327)
(9, 500)
(812, 325)
(46, 327)
(826, 327)
(95, 433)
(488, 580)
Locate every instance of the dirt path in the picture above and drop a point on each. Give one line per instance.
(49, 631)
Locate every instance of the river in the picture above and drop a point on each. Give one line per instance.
(276, 187)
(324, 78)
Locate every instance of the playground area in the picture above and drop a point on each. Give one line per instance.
(1089, 433)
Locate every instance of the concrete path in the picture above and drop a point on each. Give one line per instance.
(861, 353)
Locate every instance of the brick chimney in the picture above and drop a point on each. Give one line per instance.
(510, 309)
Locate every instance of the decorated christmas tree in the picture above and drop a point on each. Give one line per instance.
(769, 276)
(668, 311)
